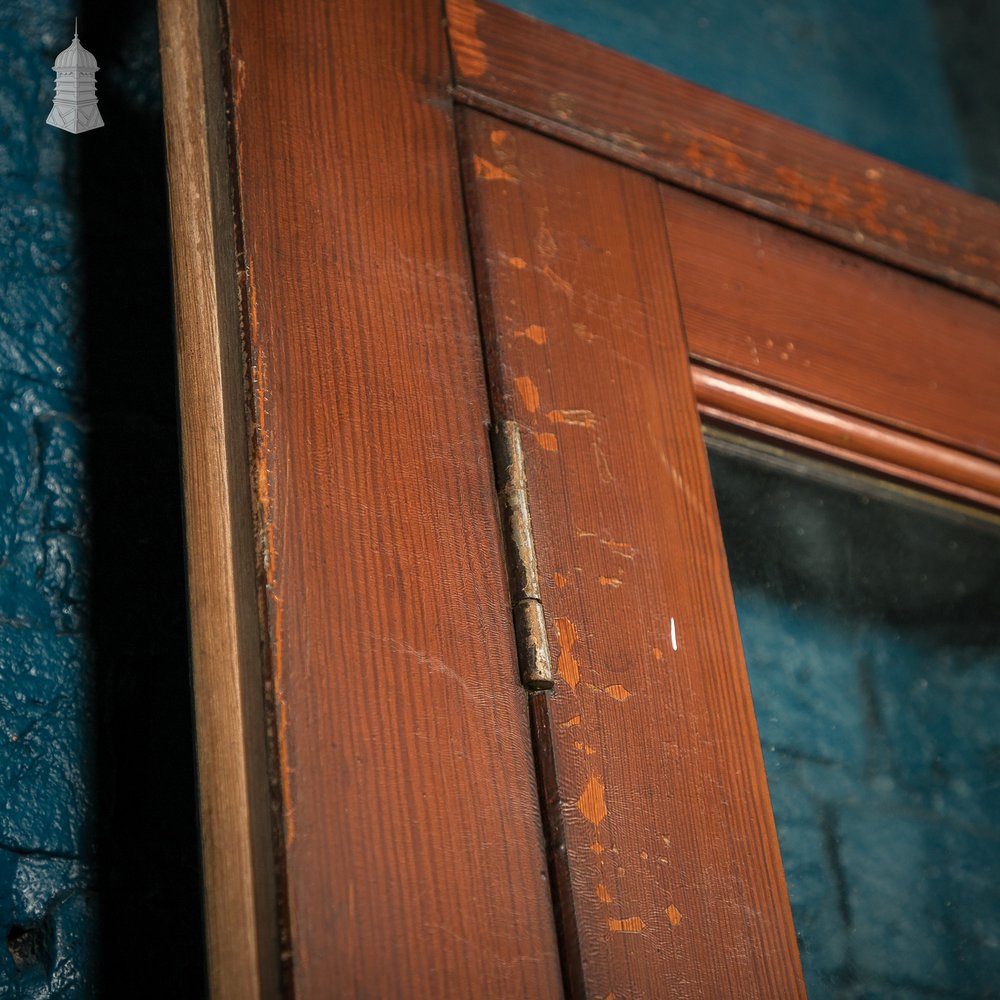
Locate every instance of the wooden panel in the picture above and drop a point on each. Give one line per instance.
(796, 313)
(538, 75)
(237, 858)
(844, 437)
(676, 876)
(414, 852)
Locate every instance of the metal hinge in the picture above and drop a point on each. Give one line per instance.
(522, 568)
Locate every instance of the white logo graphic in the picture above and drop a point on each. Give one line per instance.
(75, 106)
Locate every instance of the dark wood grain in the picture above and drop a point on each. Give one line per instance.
(740, 402)
(793, 312)
(538, 75)
(676, 877)
(414, 851)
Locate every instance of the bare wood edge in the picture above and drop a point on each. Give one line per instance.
(844, 437)
(228, 679)
(801, 199)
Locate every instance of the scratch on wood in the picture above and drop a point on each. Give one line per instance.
(622, 549)
(603, 469)
(545, 242)
(567, 665)
(602, 893)
(519, 263)
(591, 803)
(559, 580)
(528, 392)
(575, 418)
(673, 635)
(626, 925)
(534, 333)
(610, 581)
(561, 283)
(584, 333)
(490, 171)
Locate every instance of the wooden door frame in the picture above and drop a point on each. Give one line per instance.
(534, 76)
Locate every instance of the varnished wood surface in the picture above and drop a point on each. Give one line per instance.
(537, 75)
(414, 850)
(796, 313)
(739, 402)
(237, 858)
(676, 877)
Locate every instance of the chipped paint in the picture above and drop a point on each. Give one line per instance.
(528, 392)
(657, 653)
(490, 171)
(584, 333)
(569, 668)
(559, 580)
(597, 847)
(610, 581)
(570, 723)
(575, 418)
(468, 48)
(517, 262)
(626, 925)
(591, 803)
(674, 915)
(548, 442)
(534, 333)
(618, 692)
(499, 136)
(602, 893)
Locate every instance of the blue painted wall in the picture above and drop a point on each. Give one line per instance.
(98, 864)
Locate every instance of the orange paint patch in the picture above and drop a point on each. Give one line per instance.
(569, 669)
(548, 442)
(559, 580)
(609, 581)
(528, 392)
(591, 804)
(597, 848)
(517, 262)
(534, 333)
(490, 171)
(657, 653)
(570, 723)
(618, 692)
(627, 925)
(674, 914)
(602, 893)
(575, 418)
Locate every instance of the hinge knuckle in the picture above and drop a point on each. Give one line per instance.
(522, 567)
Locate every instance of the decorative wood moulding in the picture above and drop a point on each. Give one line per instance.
(533, 74)
(768, 412)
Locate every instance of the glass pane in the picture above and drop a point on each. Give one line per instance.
(915, 81)
(871, 623)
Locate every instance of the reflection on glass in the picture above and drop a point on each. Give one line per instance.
(871, 624)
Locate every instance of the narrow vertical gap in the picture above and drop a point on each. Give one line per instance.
(543, 752)
(278, 846)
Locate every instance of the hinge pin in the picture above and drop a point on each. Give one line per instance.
(522, 567)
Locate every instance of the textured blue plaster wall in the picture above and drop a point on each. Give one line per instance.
(47, 824)
(869, 74)
(98, 868)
